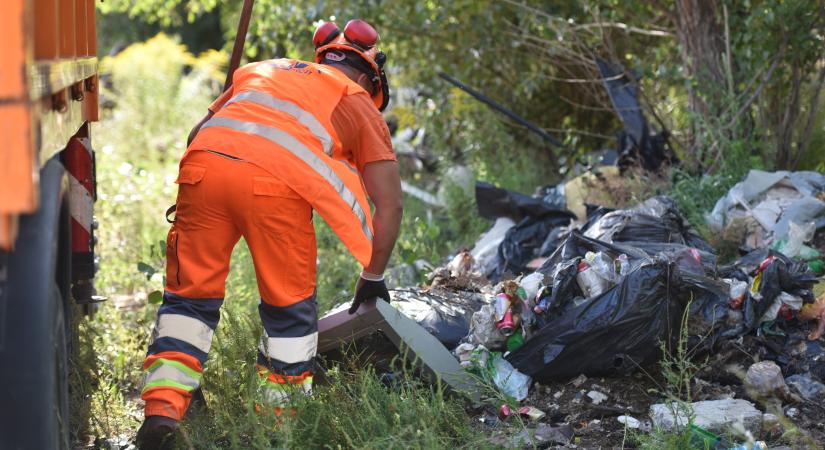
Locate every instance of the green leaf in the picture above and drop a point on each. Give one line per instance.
(155, 297)
(146, 269)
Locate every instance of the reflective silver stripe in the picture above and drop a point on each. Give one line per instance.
(300, 150)
(185, 328)
(306, 119)
(275, 397)
(280, 395)
(167, 372)
(290, 350)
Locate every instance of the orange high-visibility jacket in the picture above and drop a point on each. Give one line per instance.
(279, 118)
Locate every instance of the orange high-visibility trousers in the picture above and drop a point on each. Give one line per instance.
(219, 200)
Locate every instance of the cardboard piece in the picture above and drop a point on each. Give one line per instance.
(421, 348)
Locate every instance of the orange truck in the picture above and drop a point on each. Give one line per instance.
(48, 97)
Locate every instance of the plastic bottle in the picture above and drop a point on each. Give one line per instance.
(515, 340)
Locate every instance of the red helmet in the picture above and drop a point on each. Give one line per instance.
(361, 38)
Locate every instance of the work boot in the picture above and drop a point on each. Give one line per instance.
(156, 433)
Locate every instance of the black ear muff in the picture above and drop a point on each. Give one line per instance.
(385, 91)
(380, 59)
(325, 33)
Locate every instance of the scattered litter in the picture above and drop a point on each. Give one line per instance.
(713, 415)
(630, 422)
(814, 312)
(483, 329)
(491, 367)
(538, 437)
(597, 397)
(765, 380)
(807, 387)
(529, 412)
(579, 380)
(774, 200)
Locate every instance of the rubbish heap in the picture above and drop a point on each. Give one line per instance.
(779, 210)
(548, 297)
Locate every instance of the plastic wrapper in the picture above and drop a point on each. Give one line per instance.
(792, 302)
(531, 284)
(509, 380)
(491, 367)
(485, 250)
(483, 329)
(590, 281)
(793, 246)
(447, 317)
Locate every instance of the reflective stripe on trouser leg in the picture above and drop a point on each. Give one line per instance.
(286, 354)
(180, 345)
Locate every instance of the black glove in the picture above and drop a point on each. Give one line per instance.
(368, 290)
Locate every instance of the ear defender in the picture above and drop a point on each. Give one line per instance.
(325, 33)
(361, 34)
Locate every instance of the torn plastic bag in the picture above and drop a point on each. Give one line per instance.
(801, 206)
(636, 142)
(491, 367)
(485, 251)
(553, 195)
(524, 241)
(617, 331)
(444, 314)
(494, 202)
(793, 245)
(551, 243)
(778, 273)
(655, 220)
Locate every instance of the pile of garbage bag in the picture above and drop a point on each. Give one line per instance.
(547, 296)
(607, 308)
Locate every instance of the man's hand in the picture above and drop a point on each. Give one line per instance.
(367, 290)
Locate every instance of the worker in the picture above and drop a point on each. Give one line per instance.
(290, 137)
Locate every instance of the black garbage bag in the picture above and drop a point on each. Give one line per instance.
(536, 219)
(494, 202)
(443, 313)
(619, 330)
(779, 275)
(657, 219)
(637, 144)
(525, 241)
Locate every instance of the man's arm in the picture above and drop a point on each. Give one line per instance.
(383, 185)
